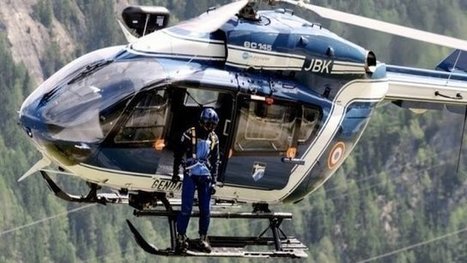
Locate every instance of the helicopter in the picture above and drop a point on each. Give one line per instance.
(293, 100)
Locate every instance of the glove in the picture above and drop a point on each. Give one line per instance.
(175, 178)
(213, 180)
(213, 189)
(213, 185)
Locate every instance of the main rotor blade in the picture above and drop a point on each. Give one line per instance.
(383, 26)
(213, 19)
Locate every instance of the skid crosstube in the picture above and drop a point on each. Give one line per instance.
(278, 245)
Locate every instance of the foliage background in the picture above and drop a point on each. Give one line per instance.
(399, 188)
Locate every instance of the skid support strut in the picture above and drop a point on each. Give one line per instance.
(92, 197)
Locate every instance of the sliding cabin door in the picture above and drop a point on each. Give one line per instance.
(265, 132)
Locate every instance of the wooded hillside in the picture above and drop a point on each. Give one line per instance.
(398, 193)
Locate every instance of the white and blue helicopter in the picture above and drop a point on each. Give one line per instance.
(293, 100)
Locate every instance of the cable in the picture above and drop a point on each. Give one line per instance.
(417, 173)
(44, 219)
(394, 179)
(414, 245)
(330, 189)
(393, 169)
(336, 188)
(460, 258)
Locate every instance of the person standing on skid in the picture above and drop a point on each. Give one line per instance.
(200, 145)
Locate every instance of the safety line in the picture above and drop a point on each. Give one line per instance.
(414, 245)
(45, 219)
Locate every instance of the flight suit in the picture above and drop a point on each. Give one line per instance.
(201, 148)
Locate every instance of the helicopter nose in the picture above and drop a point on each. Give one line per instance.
(67, 100)
(30, 119)
(77, 107)
(48, 115)
(43, 134)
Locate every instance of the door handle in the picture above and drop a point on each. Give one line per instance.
(226, 126)
(293, 161)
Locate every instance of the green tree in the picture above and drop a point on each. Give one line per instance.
(44, 12)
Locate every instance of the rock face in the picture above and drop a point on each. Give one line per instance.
(29, 38)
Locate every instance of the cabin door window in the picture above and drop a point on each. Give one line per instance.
(264, 127)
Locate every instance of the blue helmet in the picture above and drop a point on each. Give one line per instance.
(209, 119)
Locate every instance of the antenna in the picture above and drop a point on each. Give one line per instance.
(454, 66)
(465, 114)
(146, 24)
(462, 141)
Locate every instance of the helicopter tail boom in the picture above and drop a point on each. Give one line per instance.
(429, 88)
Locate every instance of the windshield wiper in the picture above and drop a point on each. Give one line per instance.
(89, 69)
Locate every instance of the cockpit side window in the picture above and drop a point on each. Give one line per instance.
(147, 121)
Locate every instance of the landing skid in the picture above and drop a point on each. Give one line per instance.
(225, 246)
(276, 245)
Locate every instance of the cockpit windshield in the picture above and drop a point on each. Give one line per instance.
(86, 106)
(70, 69)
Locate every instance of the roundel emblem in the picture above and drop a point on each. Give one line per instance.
(336, 155)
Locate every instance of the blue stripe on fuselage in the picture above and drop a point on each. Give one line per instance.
(354, 122)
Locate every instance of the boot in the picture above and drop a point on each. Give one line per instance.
(181, 244)
(204, 245)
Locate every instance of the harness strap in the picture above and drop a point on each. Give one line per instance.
(194, 158)
(213, 140)
(194, 162)
(193, 142)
